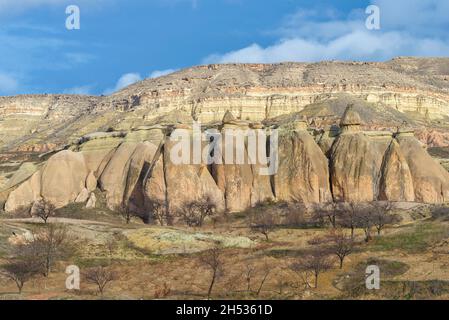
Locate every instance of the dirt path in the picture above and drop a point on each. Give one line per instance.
(56, 220)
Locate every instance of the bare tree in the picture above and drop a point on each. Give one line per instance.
(249, 273)
(265, 273)
(330, 211)
(194, 213)
(125, 212)
(51, 245)
(44, 209)
(382, 216)
(340, 244)
(18, 271)
(22, 266)
(294, 213)
(262, 221)
(158, 211)
(252, 272)
(111, 245)
(212, 260)
(100, 276)
(316, 261)
(333, 211)
(349, 217)
(364, 219)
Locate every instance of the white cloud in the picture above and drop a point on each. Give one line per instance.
(8, 84)
(423, 17)
(160, 73)
(303, 36)
(133, 77)
(124, 81)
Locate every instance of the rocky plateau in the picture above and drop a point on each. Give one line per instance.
(348, 132)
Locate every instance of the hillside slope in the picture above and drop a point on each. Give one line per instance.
(415, 90)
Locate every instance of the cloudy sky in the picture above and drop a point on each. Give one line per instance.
(122, 41)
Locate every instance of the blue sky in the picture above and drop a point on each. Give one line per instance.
(122, 41)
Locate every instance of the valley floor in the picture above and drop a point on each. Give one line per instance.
(154, 262)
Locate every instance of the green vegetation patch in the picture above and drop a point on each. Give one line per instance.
(414, 239)
(99, 213)
(353, 283)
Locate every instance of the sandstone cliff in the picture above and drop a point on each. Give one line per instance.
(137, 168)
(66, 148)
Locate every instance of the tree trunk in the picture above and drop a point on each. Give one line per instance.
(266, 236)
(19, 286)
(47, 266)
(367, 235)
(209, 292)
(262, 283)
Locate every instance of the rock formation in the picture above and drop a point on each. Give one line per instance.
(396, 182)
(430, 179)
(362, 166)
(303, 173)
(234, 177)
(63, 178)
(353, 162)
(70, 149)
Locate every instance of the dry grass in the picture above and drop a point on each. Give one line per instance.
(162, 263)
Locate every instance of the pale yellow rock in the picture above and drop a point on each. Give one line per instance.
(356, 160)
(182, 180)
(96, 150)
(139, 164)
(113, 178)
(303, 173)
(83, 196)
(261, 190)
(91, 182)
(234, 176)
(104, 163)
(210, 189)
(91, 203)
(25, 195)
(396, 183)
(235, 181)
(154, 185)
(327, 138)
(353, 168)
(63, 178)
(430, 179)
(26, 170)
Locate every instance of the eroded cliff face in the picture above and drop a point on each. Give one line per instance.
(415, 88)
(138, 168)
(67, 148)
(303, 173)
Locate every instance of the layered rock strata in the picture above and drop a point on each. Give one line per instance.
(411, 87)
